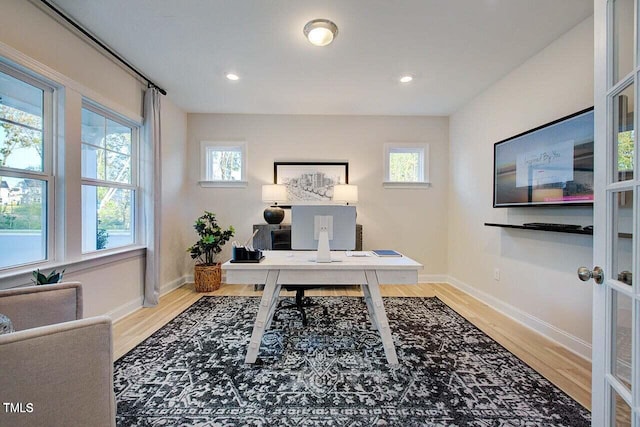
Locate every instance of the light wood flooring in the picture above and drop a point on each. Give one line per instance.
(569, 372)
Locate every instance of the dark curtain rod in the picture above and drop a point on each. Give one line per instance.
(87, 34)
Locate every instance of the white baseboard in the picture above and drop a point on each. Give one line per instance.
(563, 338)
(174, 284)
(136, 304)
(125, 309)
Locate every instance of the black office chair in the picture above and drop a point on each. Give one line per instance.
(281, 241)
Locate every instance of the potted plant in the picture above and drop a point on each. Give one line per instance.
(208, 274)
(51, 278)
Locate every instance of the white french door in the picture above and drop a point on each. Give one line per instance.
(616, 295)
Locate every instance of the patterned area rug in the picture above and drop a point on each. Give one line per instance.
(332, 372)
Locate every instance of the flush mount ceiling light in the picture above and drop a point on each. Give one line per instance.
(406, 79)
(232, 76)
(320, 32)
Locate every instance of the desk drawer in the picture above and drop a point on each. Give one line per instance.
(324, 277)
(402, 277)
(246, 277)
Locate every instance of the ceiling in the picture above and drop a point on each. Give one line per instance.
(453, 48)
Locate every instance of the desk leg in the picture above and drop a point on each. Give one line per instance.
(274, 305)
(268, 295)
(367, 299)
(381, 317)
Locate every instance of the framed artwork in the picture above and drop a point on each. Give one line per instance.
(310, 182)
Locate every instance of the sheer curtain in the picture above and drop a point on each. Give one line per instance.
(151, 192)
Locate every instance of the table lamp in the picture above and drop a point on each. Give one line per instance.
(345, 193)
(272, 194)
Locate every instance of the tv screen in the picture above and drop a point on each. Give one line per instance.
(549, 165)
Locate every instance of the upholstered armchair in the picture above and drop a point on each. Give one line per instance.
(56, 369)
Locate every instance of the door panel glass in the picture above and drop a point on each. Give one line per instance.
(616, 303)
(620, 411)
(624, 134)
(622, 38)
(623, 238)
(622, 337)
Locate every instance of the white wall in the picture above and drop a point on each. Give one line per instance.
(31, 38)
(413, 221)
(114, 289)
(538, 282)
(174, 265)
(28, 29)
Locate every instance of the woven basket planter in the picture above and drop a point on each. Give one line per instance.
(207, 277)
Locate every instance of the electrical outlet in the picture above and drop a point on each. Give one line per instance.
(496, 274)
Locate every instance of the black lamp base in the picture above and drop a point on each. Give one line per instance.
(273, 215)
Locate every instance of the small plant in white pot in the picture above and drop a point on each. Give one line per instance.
(207, 275)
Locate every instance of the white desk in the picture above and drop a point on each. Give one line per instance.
(297, 268)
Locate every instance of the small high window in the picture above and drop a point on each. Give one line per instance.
(406, 165)
(223, 164)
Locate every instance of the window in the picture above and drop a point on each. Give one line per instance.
(26, 182)
(406, 165)
(109, 180)
(223, 164)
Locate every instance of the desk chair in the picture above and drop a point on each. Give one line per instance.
(281, 241)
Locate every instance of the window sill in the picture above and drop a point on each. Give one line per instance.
(22, 276)
(111, 255)
(224, 184)
(410, 185)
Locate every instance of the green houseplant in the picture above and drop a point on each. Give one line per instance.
(51, 278)
(208, 274)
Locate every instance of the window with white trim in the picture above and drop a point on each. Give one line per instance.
(406, 164)
(26, 175)
(223, 164)
(109, 179)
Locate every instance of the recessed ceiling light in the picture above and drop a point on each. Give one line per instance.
(232, 76)
(320, 32)
(406, 79)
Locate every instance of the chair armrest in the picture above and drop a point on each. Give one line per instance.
(65, 371)
(33, 306)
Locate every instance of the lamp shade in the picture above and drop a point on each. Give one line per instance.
(345, 193)
(274, 193)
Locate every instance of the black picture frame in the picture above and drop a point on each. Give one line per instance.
(310, 182)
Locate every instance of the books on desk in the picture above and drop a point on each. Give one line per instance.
(386, 252)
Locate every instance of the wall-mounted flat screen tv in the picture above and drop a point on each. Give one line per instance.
(549, 165)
